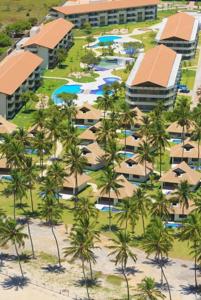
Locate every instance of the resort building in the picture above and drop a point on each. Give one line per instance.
(176, 131)
(135, 171)
(181, 172)
(89, 135)
(87, 114)
(4, 168)
(125, 190)
(180, 33)
(154, 78)
(189, 152)
(19, 72)
(107, 12)
(69, 184)
(48, 38)
(137, 118)
(178, 212)
(94, 155)
(131, 143)
(6, 126)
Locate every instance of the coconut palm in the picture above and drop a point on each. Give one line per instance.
(191, 232)
(158, 241)
(31, 174)
(144, 129)
(108, 183)
(75, 162)
(106, 132)
(11, 232)
(17, 187)
(85, 208)
(182, 195)
(69, 134)
(68, 108)
(147, 290)
(56, 174)
(141, 202)
(196, 135)
(183, 115)
(122, 252)
(127, 120)
(80, 248)
(105, 102)
(39, 119)
(145, 153)
(160, 205)
(112, 156)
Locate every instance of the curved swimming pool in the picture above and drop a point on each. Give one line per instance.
(67, 88)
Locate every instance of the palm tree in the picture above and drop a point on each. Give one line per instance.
(68, 108)
(56, 174)
(39, 119)
(76, 163)
(69, 135)
(31, 174)
(106, 132)
(183, 115)
(196, 135)
(145, 153)
(16, 187)
(22, 136)
(144, 129)
(11, 232)
(80, 248)
(51, 211)
(147, 290)
(105, 102)
(109, 183)
(122, 252)
(141, 202)
(159, 139)
(85, 208)
(158, 240)
(182, 194)
(112, 156)
(191, 232)
(127, 120)
(160, 205)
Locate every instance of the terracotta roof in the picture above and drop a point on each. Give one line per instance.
(89, 134)
(139, 115)
(181, 172)
(125, 190)
(133, 167)
(156, 66)
(190, 150)
(176, 128)
(133, 140)
(69, 181)
(88, 112)
(178, 26)
(3, 164)
(94, 153)
(50, 34)
(6, 126)
(103, 6)
(15, 69)
(178, 209)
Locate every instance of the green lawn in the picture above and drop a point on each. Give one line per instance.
(72, 61)
(188, 77)
(148, 39)
(165, 162)
(48, 86)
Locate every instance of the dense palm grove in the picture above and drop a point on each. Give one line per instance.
(148, 205)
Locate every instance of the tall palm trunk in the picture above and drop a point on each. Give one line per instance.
(31, 198)
(91, 271)
(126, 279)
(163, 274)
(85, 279)
(160, 161)
(76, 189)
(195, 265)
(18, 258)
(14, 208)
(109, 213)
(143, 225)
(31, 240)
(199, 154)
(183, 138)
(57, 245)
(125, 139)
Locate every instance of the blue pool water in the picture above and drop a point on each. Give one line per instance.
(110, 80)
(128, 132)
(31, 151)
(82, 126)
(113, 209)
(173, 225)
(176, 141)
(7, 177)
(107, 64)
(106, 39)
(127, 154)
(68, 88)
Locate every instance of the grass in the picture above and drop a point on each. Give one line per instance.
(148, 39)
(72, 61)
(50, 85)
(12, 11)
(188, 78)
(165, 162)
(123, 74)
(114, 280)
(89, 78)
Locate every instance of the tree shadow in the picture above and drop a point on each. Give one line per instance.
(16, 282)
(53, 269)
(91, 283)
(114, 228)
(11, 257)
(129, 271)
(154, 261)
(21, 205)
(190, 289)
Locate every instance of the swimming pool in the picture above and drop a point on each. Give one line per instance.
(106, 39)
(126, 154)
(106, 209)
(128, 132)
(173, 225)
(110, 80)
(31, 151)
(7, 177)
(176, 141)
(67, 88)
(82, 126)
(107, 64)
